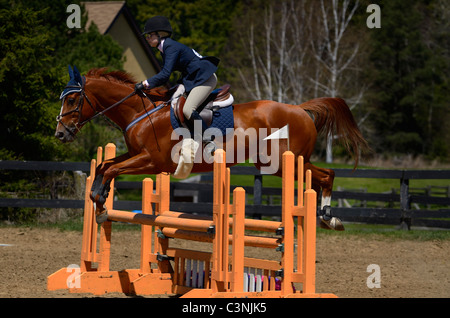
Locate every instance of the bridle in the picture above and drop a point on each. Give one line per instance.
(79, 108)
(80, 88)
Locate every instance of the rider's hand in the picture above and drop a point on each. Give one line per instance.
(139, 86)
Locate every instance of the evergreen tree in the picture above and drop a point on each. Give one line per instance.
(25, 57)
(203, 25)
(36, 47)
(408, 78)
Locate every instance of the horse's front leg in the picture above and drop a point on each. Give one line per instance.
(101, 185)
(140, 164)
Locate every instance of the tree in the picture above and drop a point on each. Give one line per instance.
(410, 76)
(299, 50)
(24, 101)
(88, 50)
(273, 40)
(203, 25)
(334, 54)
(36, 47)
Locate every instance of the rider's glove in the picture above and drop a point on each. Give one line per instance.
(139, 86)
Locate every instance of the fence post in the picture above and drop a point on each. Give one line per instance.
(405, 203)
(257, 195)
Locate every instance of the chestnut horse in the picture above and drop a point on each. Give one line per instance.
(150, 141)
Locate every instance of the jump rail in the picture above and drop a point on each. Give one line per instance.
(169, 270)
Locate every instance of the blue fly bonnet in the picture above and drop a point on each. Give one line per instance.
(75, 84)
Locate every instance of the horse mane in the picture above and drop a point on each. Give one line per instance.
(121, 77)
(115, 76)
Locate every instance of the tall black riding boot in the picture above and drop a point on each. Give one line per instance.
(195, 116)
(209, 144)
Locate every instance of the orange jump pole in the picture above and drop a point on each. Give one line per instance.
(249, 240)
(161, 221)
(250, 224)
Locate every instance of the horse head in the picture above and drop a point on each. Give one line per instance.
(73, 115)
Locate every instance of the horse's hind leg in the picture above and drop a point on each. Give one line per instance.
(322, 179)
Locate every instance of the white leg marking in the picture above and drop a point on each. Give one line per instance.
(325, 201)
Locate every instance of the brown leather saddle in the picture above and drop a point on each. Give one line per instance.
(206, 113)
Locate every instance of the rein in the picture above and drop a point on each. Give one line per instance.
(102, 113)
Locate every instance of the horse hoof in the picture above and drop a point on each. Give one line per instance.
(321, 224)
(333, 223)
(101, 214)
(100, 218)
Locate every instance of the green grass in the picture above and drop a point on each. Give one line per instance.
(352, 230)
(370, 185)
(389, 232)
(72, 225)
(377, 185)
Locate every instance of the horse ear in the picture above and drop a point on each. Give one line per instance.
(77, 75)
(70, 72)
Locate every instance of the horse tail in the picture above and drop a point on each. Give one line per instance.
(332, 115)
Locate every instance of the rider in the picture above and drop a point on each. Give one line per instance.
(198, 72)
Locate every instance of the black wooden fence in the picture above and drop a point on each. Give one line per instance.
(403, 214)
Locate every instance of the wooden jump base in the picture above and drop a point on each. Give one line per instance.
(169, 270)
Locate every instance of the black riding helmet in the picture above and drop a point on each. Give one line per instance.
(158, 24)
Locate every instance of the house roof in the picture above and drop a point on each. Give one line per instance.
(105, 13)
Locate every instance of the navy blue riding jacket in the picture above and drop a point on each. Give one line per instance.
(195, 69)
